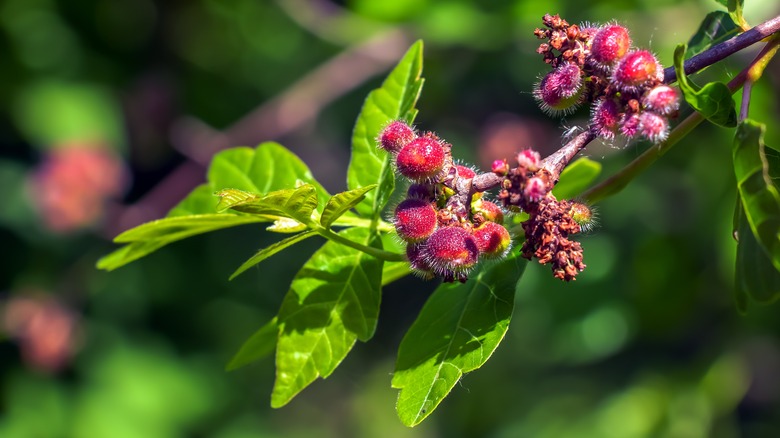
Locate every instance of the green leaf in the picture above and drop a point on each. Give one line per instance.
(576, 177)
(756, 277)
(269, 167)
(713, 100)
(395, 99)
(717, 26)
(271, 250)
(297, 203)
(735, 8)
(332, 302)
(286, 225)
(456, 332)
(258, 346)
(340, 203)
(760, 196)
(152, 236)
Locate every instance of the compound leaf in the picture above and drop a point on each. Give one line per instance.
(332, 302)
(395, 99)
(456, 332)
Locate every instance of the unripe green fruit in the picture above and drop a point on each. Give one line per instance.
(415, 220)
(451, 250)
(489, 211)
(493, 240)
(421, 160)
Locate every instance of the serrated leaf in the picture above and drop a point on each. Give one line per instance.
(332, 302)
(152, 236)
(456, 332)
(717, 26)
(340, 203)
(259, 345)
(394, 100)
(271, 250)
(756, 276)
(297, 203)
(735, 8)
(576, 177)
(760, 197)
(713, 100)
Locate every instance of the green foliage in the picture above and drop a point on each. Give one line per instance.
(576, 177)
(332, 302)
(717, 26)
(271, 250)
(394, 100)
(295, 204)
(713, 100)
(758, 216)
(735, 8)
(456, 332)
(259, 345)
(341, 203)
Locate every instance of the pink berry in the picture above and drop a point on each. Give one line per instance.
(535, 189)
(604, 118)
(451, 250)
(662, 99)
(415, 220)
(560, 91)
(422, 159)
(415, 253)
(529, 159)
(653, 126)
(610, 44)
(637, 69)
(396, 135)
(629, 125)
(465, 172)
(493, 240)
(500, 167)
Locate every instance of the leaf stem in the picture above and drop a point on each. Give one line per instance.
(378, 253)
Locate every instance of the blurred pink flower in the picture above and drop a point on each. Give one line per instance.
(44, 329)
(72, 184)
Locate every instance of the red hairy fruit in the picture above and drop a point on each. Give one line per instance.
(653, 126)
(560, 91)
(465, 172)
(416, 255)
(637, 69)
(662, 99)
(604, 118)
(451, 250)
(493, 240)
(610, 44)
(415, 220)
(422, 159)
(395, 136)
(490, 211)
(629, 125)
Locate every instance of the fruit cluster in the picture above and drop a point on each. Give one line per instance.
(598, 64)
(446, 233)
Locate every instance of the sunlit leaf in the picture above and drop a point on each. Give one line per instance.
(576, 177)
(294, 203)
(713, 100)
(717, 26)
(456, 332)
(271, 250)
(258, 346)
(760, 197)
(286, 225)
(340, 203)
(332, 302)
(394, 100)
(151, 236)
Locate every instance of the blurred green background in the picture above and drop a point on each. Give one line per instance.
(110, 110)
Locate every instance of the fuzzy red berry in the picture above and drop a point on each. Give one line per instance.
(493, 240)
(451, 250)
(422, 159)
(416, 255)
(489, 211)
(604, 118)
(560, 91)
(636, 70)
(662, 99)
(396, 135)
(653, 127)
(465, 172)
(610, 44)
(415, 220)
(629, 125)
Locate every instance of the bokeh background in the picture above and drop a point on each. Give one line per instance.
(110, 110)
